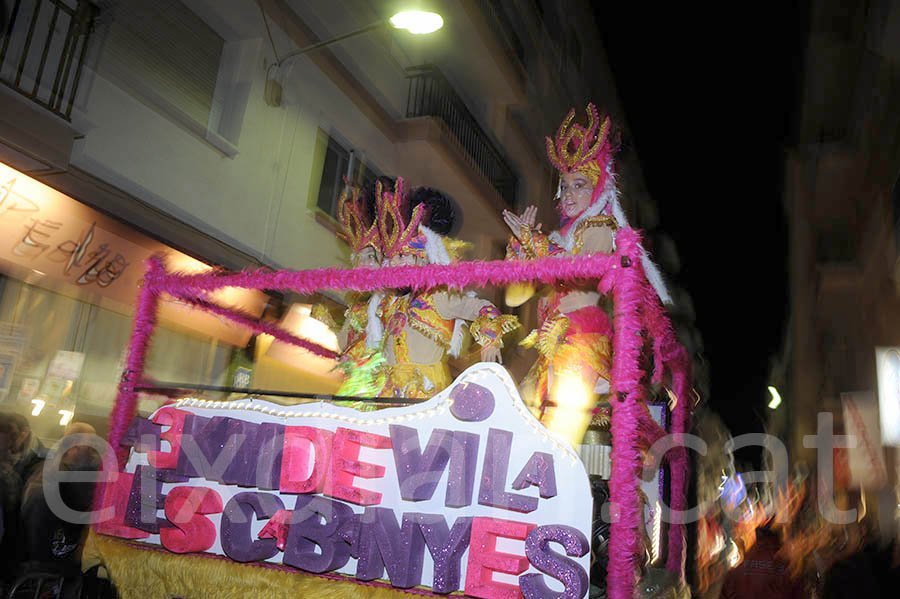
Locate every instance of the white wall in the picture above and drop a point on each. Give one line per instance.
(256, 200)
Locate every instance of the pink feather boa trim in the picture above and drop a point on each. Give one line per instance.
(637, 310)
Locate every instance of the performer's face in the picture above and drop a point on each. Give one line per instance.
(405, 260)
(575, 191)
(366, 257)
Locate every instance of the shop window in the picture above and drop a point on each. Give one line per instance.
(341, 161)
(69, 278)
(172, 60)
(66, 356)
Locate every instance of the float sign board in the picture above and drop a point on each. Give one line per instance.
(466, 491)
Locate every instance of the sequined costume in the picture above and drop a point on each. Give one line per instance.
(423, 329)
(573, 336)
(363, 366)
(361, 359)
(574, 331)
(419, 331)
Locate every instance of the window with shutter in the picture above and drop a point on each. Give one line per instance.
(168, 57)
(341, 161)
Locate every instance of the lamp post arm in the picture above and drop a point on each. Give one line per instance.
(316, 46)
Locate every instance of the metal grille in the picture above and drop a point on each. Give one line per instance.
(430, 94)
(42, 50)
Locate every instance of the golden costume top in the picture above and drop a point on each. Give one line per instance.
(419, 327)
(573, 332)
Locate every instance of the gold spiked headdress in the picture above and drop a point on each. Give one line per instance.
(351, 214)
(587, 150)
(396, 234)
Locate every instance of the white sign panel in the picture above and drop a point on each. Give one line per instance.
(887, 360)
(464, 492)
(866, 459)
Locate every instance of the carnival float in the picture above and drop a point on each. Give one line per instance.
(475, 486)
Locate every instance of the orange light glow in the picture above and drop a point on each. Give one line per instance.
(298, 321)
(571, 416)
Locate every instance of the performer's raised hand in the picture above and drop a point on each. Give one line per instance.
(517, 223)
(491, 353)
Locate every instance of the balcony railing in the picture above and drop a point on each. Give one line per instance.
(42, 50)
(430, 94)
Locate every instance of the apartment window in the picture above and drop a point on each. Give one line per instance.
(341, 161)
(164, 54)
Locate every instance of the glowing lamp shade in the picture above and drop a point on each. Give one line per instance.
(417, 22)
(776, 398)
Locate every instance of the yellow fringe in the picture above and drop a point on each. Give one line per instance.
(151, 574)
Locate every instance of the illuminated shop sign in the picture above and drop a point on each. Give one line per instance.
(56, 242)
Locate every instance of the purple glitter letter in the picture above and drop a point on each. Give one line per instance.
(471, 402)
(567, 571)
(307, 530)
(242, 469)
(463, 460)
(141, 430)
(384, 544)
(194, 428)
(539, 472)
(268, 447)
(493, 476)
(145, 500)
(418, 473)
(236, 541)
(446, 547)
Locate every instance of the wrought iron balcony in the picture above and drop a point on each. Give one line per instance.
(430, 94)
(42, 50)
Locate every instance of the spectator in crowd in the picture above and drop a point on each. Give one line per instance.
(48, 537)
(10, 491)
(28, 452)
(762, 575)
(870, 570)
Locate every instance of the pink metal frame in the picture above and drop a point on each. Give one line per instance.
(638, 316)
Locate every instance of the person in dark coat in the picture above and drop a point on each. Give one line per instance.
(872, 572)
(28, 452)
(10, 492)
(47, 537)
(762, 575)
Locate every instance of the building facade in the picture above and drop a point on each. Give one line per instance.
(841, 170)
(182, 125)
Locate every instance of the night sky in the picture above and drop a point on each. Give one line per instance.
(710, 99)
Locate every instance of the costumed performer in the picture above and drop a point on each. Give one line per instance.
(419, 326)
(359, 336)
(573, 336)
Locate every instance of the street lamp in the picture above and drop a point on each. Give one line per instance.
(776, 398)
(415, 21)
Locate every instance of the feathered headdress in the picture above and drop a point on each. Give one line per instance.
(355, 229)
(397, 234)
(588, 150)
